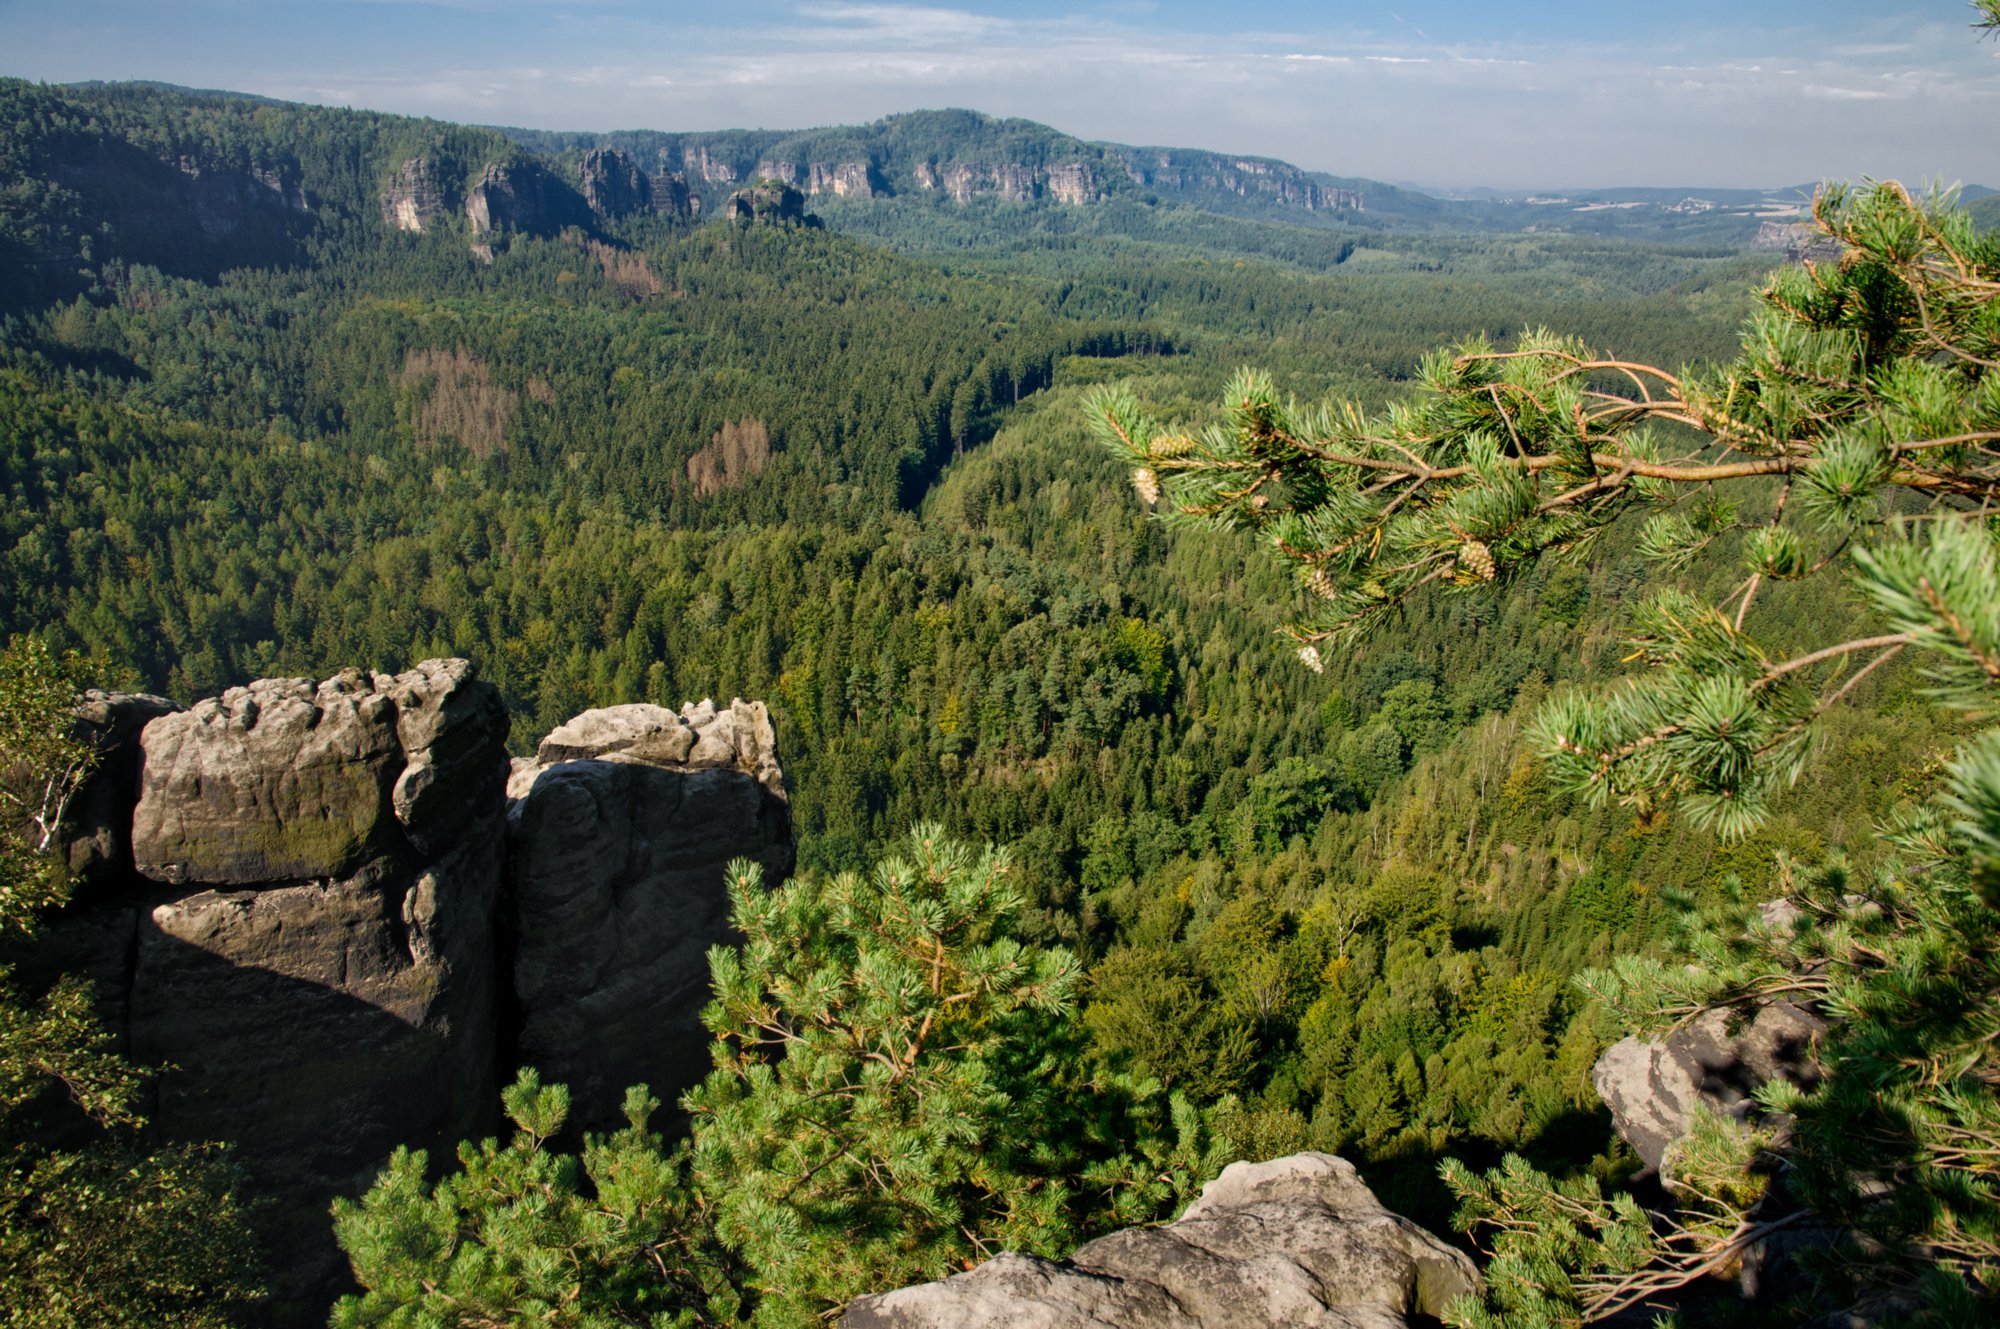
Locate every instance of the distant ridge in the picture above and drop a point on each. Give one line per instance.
(957, 158)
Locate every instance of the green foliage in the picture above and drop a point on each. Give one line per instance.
(95, 1229)
(900, 1087)
(1859, 385)
(524, 1234)
(1860, 413)
(1565, 1254)
(1333, 911)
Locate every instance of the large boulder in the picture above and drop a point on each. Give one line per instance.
(1652, 1087)
(619, 832)
(1299, 1242)
(313, 965)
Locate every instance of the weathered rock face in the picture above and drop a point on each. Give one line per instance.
(618, 833)
(415, 197)
(521, 196)
(844, 179)
(319, 976)
(1298, 1241)
(1652, 1087)
(223, 196)
(295, 900)
(1798, 241)
(1189, 171)
(613, 185)
(854, 179)
(1075, 184)
(672, 197)
(709, 169)
(771, 202)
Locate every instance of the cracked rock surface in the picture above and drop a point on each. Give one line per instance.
(286, 901)
(1299, 1242)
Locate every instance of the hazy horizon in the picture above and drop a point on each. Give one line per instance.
(1448, 94)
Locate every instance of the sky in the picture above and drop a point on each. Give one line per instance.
(1443, 93)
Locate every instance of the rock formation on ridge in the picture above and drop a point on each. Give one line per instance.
(769, 203)
(286, 898)
(612, 184)
(522, 196)
(415, 197)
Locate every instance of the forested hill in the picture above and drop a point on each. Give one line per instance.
(233, 180)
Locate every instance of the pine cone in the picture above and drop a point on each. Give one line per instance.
(1475, 562)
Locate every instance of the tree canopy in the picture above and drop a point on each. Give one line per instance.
(1859, 430)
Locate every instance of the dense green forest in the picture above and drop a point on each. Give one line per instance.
(845, 470)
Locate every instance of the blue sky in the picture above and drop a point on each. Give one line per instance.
(1443, 92)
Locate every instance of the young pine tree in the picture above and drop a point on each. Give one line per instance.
(898, 1091)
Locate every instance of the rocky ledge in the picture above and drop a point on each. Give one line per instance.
(1300, 1242)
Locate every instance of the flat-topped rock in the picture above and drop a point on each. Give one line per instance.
(618, 833)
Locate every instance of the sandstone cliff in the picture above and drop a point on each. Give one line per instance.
(522, 196)
(415, 199)
(769, 202)
(286, 899)
(613, 185)
(849, 179)
(1298, 1241)
(1191, 172)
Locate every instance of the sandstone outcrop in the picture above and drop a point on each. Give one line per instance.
(770, 203)
(672, 197)
(297, 901)
(613, 185)
(1300, 1242)
(962, 182)
(849, 179)
(1652, 1087)
(1191, 172)
(703, 166)
(415, 197)
(1798, 241)
(618, 833)
(96, 837)
(223, 197)
(317, 976)
(521, 196)
(1075, 184)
